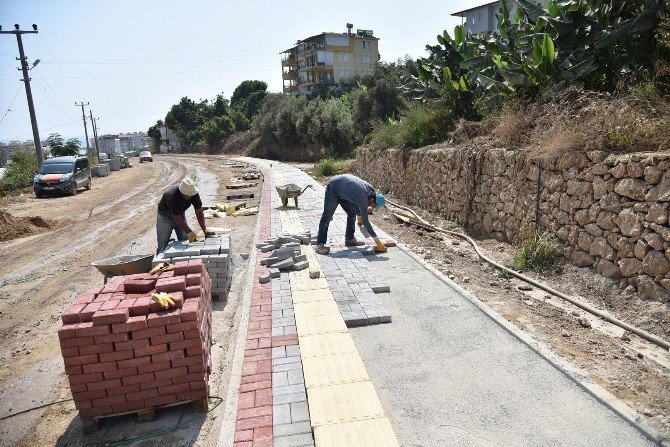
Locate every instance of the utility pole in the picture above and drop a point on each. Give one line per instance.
(83, 116)
(29, 93)
(95, 135)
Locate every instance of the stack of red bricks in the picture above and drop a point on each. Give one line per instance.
(124, 353)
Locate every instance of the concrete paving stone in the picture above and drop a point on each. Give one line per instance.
(343, 403)
(296, 428)
(269, 261)
(279, 379)
(314, 309)
(355, 319)
(285, 264)
(355, 308)
(274, 273)
(333, 370)
(267, 248)
(281, 414)
(291, 398)
(284, 321)
(296, 377)
(287, 389)
(278, 331)
(278, 352)
(287, 360)
(299, 411)
(381, 288)
(313, 274)
(290, 330)
(302, 440)
(372, 316)
(300, 265)
(300, 258)
(320, 324)
(210, 250)
(384, 316)
(292, 350)
(264, 279)
(366, 433)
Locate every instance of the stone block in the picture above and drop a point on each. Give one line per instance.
(314, 274)
(264, 279)
(285, 264)
(300, 265)
(274, 273)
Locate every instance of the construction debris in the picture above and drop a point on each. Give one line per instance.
(246, 212)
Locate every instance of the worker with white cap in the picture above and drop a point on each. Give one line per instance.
(358, 198)
(171, 214)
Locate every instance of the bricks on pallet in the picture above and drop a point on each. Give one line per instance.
(132, 357)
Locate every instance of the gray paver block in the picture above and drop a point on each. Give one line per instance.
(267, 248)
(285, 264)
(295, 377)
(300, 258)
(289, 398)
(314, 274)
(292, 429)
(278, 352)
(281, 414)
(380, 288)
(302, 440)
(279, 381)
(299, 412)
(264, 279)
(301, 265)
(269, 261)
(274, 273)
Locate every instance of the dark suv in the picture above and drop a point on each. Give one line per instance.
(62, 174)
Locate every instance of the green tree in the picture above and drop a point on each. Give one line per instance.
(155, 134)
(248, 97)
(61, 148)
(216, 130)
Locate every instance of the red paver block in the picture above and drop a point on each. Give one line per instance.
(85, 298)
(127, 389)
(120, 373)
(195, 266)
(180, 268)
(134, 323)
(81, 360)
(76, 342)
(88, 330)
(109, 304)
(150, 350)
(110, 316)
(284, 340)
(71, 314)
(67, 331)
(128, 406)
(96, 366)
(132, 344)
(115, 356)
(164, 318)
(103, 384)
(243, 435)
(142, 306)
(252, 423)
(193, 292)
(101, 348)
(174, 284)
(73, 370)
(153, 366)
(139, 285)
(135, 362)
(104, 297)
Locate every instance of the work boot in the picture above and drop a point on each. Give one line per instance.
(353, 242)
(322, 249)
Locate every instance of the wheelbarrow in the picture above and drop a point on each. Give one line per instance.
(123, 265)
(290, 191)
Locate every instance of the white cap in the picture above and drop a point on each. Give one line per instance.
(187, 187)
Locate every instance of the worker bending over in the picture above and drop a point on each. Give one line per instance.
(171, 214)
(356, 197)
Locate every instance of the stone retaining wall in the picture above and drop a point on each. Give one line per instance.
(609, 212)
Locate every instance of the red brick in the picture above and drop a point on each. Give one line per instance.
(189, 311)
(83, 404)
(181, 327)
(120, 373)
(112, 338)
(173, 389)
(167, 338)
(78, 388)
(263, 397)
(110, 316)
(95, 290)
(99, 367)
(134, 323)
(195, 333)
(284, 340)
(114, 356)
(89, 310)
(97, 349)
(104, 297)
(88, 330)
(138, 378)
(180, 268)
(251, 423)
(142, 306)
(149, 332)
(199, 385)
(153, 366)
(164, 318)
(139, 285)
(256, 377)
(128, 389)
(168, 274)
(109, 305)
(175, 284)
(89, 395)
(254, 412)
(128, 406)
(104, 384)
(80, 360)
(160, 400)
(193, 360)
(195, 266)
(244, 435)
(194, 350)
(70, 352)
(127, 304)
(187, 396)
(84, 378)
(134, 362)
(150, 350)
(71, 314)
(172, 372)
(190, 343)
(131, 344)
(253, 386)
(193, 279)
(141, 395)
(243, 444)
(67, 331)
(167, 356)
(73, 370)
(109, 401)
(189, 377)
(155, 384)
(193, 292)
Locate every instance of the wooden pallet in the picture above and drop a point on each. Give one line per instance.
(89, 425)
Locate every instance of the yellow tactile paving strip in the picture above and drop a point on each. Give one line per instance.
(344, 408)
(368, 433)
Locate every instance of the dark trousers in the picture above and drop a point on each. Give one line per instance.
(330, 203)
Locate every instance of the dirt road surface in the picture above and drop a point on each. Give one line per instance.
(41, 275)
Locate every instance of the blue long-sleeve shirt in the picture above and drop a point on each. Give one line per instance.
(357, 191)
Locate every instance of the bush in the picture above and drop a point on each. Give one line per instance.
(19, 174)
(420, 125)
(328, 167)
(537, 252)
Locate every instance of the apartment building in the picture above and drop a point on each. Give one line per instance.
(328, 56)
(483, 17)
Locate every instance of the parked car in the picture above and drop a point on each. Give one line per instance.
(146, 156)
(62, 175)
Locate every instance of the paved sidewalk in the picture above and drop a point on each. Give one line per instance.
(443, 372)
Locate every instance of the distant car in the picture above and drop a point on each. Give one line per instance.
(146, 156)
(62, 175)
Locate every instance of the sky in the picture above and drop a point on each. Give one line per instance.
(130, 60)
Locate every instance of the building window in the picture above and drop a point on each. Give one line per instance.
(344, 72)
(366, 44)
(473, 19)
(344, 57)
(367, 59)
(338, 41)
(479, 16)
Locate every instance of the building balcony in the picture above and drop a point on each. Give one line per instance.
(290, 89)
(288, 75)
(289, 62)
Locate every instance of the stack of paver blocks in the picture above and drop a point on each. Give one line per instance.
(216, 254)
(123, 353)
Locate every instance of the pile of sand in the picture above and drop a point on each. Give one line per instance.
(12, 227)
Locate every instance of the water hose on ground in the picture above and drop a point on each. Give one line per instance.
(418, 221)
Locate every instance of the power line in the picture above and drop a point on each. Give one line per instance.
(155, 73)
(11, 103)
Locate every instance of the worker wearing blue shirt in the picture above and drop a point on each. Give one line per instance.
(358, 198)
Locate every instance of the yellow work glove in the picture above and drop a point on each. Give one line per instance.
(164, 299)
(380, 247)
(192, 237)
